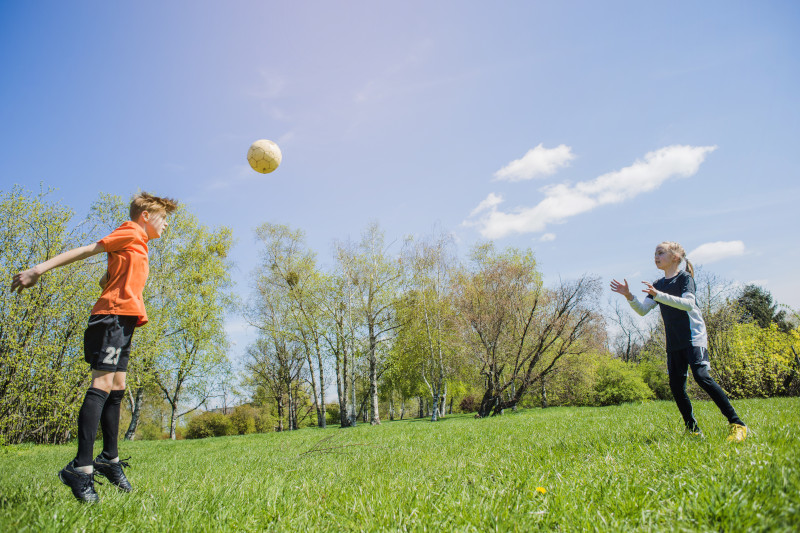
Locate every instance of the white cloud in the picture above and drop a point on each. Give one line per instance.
(538, 162)
(493, 200)
(564, 200)
(711, 252)
(548, 237)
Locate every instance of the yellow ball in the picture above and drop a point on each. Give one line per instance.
(264, 156)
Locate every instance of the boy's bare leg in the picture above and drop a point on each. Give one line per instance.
(104, 380)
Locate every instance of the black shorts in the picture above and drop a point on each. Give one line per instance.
(679, 361)
(107, 342)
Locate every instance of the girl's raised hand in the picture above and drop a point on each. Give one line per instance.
(621, 288)
(649, 289)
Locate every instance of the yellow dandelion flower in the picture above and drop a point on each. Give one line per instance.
(541, 490)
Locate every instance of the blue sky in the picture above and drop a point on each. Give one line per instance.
(587, 131)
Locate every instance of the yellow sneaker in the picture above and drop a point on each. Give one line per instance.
(737, 433)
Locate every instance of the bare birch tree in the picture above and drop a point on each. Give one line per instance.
(376, 278)
(290, 267)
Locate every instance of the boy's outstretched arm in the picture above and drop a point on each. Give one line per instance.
(28, 278)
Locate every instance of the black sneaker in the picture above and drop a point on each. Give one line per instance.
(113, 472)
(82, 485)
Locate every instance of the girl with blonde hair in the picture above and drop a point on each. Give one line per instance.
(687, 343)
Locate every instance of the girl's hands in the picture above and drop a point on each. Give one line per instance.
(621, 288)
(649, 288)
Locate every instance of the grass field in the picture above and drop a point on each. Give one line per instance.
(610, 469)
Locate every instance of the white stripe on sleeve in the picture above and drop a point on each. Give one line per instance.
(643, 307)
(684, 303)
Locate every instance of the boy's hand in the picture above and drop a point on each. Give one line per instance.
(104, 280)
(27, 278)
(621, 288)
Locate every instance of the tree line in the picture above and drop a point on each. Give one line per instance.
(387, 326)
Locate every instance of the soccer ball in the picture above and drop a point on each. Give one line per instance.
(264, 156)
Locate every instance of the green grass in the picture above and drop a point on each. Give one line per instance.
(614, 468)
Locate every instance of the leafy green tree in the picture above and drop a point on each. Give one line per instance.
(429, 318)
(757, 305)
(516, 328)
(42, 372)
(275, 360)
(403, 368)
(290, 267)
(338, 334)
(194, 279)
(375, 278)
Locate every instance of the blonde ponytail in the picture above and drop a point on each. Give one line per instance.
(678, 250)
(689, 267)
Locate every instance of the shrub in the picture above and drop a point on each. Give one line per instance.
(469, 404)
(332, 413)
(619, 382)
(654, 374)
(243, 419)
(265, 422)
(149, 431)
(209, 424)
(750, 361)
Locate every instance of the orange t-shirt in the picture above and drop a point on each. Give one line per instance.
(126, 247)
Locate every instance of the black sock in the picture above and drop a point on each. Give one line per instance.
(88, 419)
(109, 421)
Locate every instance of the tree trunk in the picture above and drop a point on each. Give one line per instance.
(136, 409)
(295, 407)
(402, 406)
(421, 408)
(314, 390)
(544, 395)
(353, 415)
(345, 420)
(450, 409)
(280, 412)
(290, 407)
(373, 376)
(322, 422)
(173, 423)
(391, 406)
(513, 393)
(435, 406)
(488, 402)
